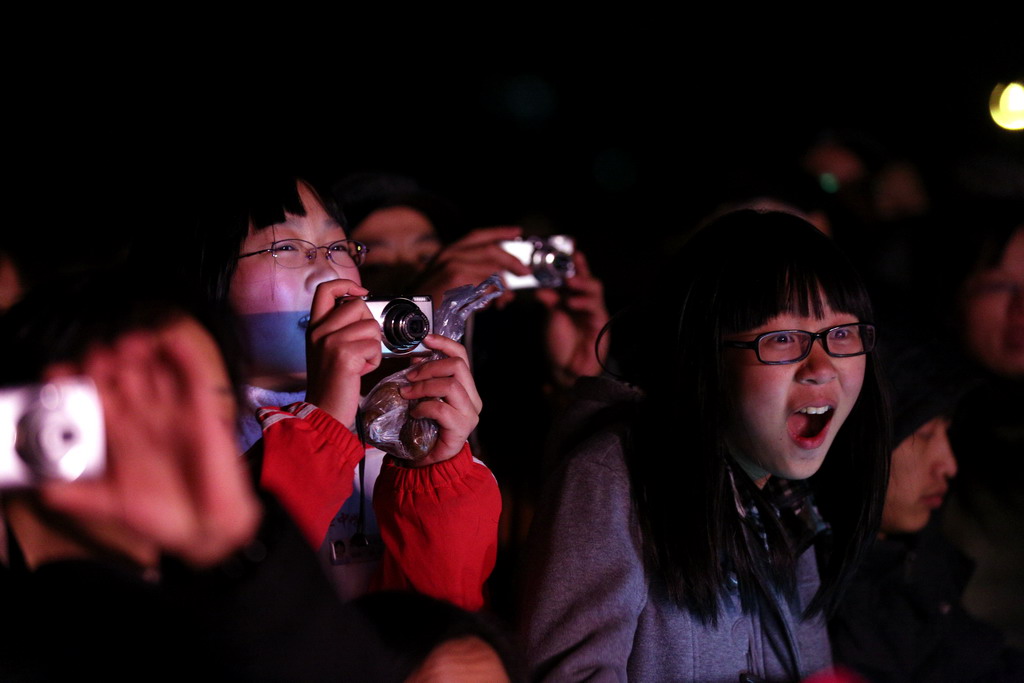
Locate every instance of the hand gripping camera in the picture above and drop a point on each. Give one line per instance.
(550, 261)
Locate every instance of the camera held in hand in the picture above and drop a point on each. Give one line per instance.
(549, 259)
(50, 432)
(404, 323)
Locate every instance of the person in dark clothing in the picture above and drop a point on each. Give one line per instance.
(984, 301)
(168, 563)
(902, 618)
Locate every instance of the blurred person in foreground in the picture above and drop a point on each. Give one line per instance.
(170, 561)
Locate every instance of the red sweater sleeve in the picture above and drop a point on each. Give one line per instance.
(440, 528)
(309, 459)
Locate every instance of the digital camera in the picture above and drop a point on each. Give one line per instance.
(50, 432)
(404, 323)
(549, 259)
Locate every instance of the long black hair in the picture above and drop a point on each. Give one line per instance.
(733, 275)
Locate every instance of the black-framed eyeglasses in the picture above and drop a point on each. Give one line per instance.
(792, 346)
(296, 253)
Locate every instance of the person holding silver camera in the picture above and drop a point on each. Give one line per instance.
(155, 556)
(544, 330)
(403, 226)
(281, 261)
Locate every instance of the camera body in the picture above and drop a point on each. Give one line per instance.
(549, 259)
(404, 322)
(50, 432)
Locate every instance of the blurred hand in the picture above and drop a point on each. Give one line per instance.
(458, 409)
(342, 344)
(576, 315)
(471, 260)
(174, 480)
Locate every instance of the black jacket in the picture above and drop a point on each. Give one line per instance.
(267, 614)
(902, 620)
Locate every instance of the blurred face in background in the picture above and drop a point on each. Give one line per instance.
(992, 312)
(10, 282)
(401, 242)
(922, 466)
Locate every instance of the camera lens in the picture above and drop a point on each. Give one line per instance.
(552, 267)
(562, 263)
(415, 327)
(404, 325)
(45, 437)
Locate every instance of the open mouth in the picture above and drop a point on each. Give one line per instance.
(807, 424)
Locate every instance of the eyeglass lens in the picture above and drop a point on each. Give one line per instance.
(792, 345)
(298, 253)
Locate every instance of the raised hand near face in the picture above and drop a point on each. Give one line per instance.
(469, 261)
(576, 316)
(342, 345)
(174, 482)
(457, 404)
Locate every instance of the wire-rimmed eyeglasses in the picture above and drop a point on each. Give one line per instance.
(295, 253)
(792, 346)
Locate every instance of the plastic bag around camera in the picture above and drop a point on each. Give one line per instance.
(384, 414)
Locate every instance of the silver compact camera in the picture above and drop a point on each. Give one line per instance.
(549, 259)
(404, 323)
(50, 432)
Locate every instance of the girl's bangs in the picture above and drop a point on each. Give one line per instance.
(804, 281)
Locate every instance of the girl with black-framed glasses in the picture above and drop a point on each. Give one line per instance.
(722, 498)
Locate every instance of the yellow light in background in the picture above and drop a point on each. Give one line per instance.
(1006, 105)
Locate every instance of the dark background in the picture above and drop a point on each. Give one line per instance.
(622, 137)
